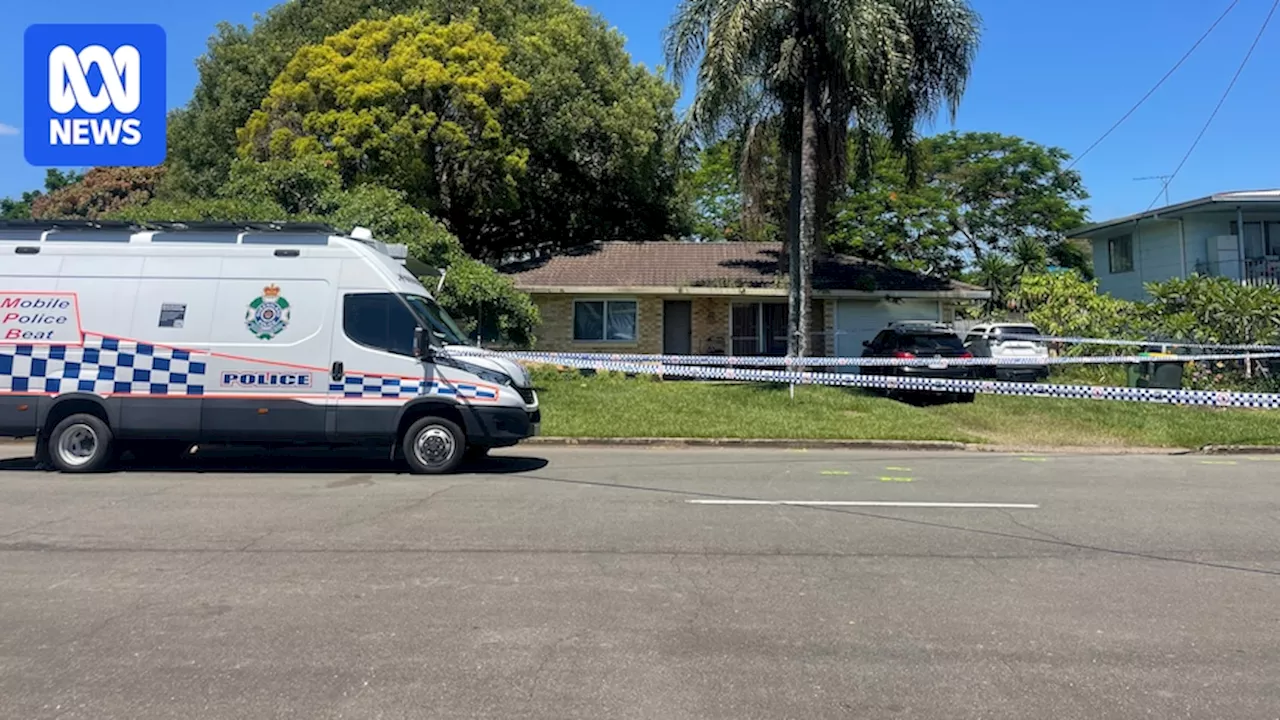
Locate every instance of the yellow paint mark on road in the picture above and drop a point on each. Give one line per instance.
(835, 472)
(895, 479)
(1217, 462)
(1034, 459)
(898, 469)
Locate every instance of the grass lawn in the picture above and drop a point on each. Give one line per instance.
(615, 406)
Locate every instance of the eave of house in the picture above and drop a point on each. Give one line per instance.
(1264, 200)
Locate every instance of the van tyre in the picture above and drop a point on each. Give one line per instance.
(434, 446)
(81, 443)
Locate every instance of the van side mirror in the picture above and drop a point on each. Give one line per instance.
(421, 347)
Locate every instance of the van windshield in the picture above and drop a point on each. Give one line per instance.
(437, 320)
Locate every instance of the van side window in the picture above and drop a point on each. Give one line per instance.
(379, 321)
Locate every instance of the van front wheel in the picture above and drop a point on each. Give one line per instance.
(81, 443)
(433, 446)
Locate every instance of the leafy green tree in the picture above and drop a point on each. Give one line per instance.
(406, 103)
(724, 206)
(807, 65)
(20, 208)
(236, 73)
(978, 194)
(1065, 304)
(598, 129)
(889, 220)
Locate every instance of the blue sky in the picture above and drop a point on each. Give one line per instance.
(1058, 73)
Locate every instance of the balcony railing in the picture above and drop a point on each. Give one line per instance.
(1256, 271)
(1261, 272)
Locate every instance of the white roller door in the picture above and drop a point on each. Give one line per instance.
(860, 320)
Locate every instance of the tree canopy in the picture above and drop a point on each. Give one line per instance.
(978, 194)
(20, 208)
(99, 191)
(406, 103)
(594, 129)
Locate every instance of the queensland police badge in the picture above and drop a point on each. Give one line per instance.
(268, 315)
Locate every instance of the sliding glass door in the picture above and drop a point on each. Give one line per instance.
(759, 328)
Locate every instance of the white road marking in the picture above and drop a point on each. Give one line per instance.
(872, 503)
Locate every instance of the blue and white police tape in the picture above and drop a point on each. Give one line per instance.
(1071, 340)
(781, 361)
(1207, 398)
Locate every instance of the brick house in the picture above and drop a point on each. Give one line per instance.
(719, 298)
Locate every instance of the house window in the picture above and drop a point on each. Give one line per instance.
(604, 320)
(758, 328)
(1120, 253)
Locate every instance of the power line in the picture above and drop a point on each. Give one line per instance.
(1256, 39)
(1155, 87)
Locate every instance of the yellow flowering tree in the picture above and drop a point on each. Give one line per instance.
(404, 102)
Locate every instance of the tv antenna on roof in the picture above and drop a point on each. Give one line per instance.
(1162, 178)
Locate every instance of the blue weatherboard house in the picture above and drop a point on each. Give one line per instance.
(1201, 236)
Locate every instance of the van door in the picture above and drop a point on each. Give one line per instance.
(270, 339)
(373, 372)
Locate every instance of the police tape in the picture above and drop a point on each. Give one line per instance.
(1073, 340)
(782, 361)
(1208, 398)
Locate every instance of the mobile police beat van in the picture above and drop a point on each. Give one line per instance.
(159, 337)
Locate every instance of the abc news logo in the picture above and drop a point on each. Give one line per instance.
(121, 89)
(94, 95)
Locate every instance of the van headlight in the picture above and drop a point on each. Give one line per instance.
(489, 376)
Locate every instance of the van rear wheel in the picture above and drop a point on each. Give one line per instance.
(81, 443)
(433, 446)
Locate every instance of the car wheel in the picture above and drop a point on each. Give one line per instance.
(433, 446)
(81, 443)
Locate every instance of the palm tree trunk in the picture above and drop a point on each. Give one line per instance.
(794, 257)
(808, 206)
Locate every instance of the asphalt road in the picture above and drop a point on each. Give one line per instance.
(575, 583)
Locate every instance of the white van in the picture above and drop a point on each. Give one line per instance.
(155, 338)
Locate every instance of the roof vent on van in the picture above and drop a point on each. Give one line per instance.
(362, 233)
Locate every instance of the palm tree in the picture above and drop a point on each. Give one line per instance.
(996, 274)
(818, 67)
(1028, 256)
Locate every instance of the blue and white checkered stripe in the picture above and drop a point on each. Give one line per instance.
(1084, 392)
(104, 366)
(372, 387)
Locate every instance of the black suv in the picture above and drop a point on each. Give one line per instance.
(932, 340)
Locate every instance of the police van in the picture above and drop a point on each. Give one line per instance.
(156, 337)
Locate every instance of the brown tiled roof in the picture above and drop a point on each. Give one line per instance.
(717, 264)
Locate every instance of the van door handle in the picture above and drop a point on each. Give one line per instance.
(337, 372)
